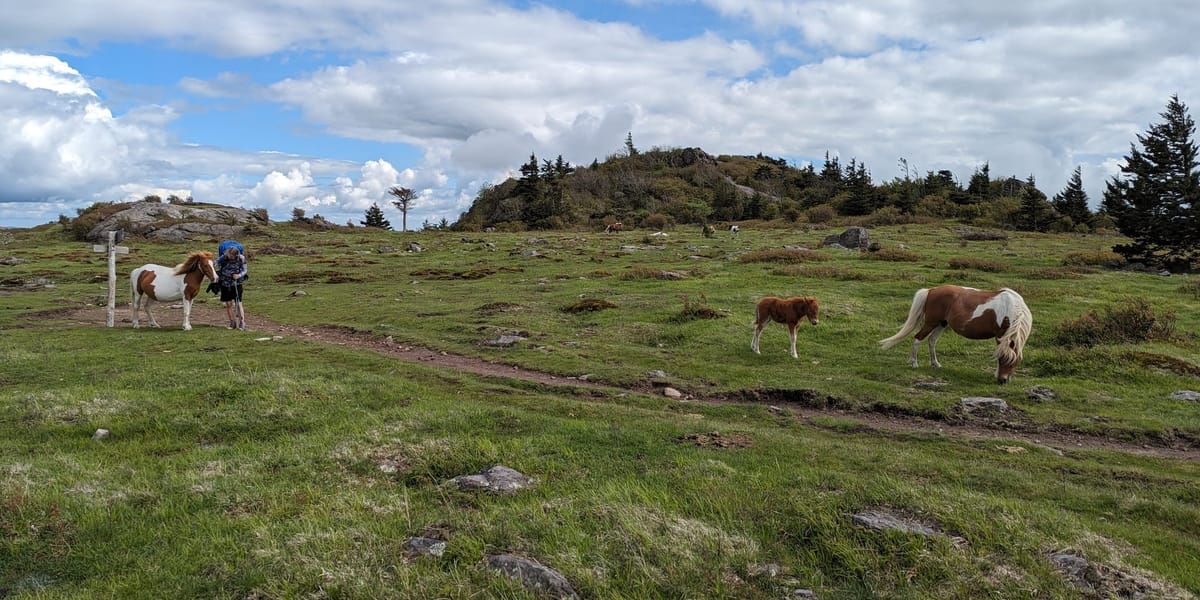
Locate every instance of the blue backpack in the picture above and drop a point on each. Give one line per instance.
(226, 245)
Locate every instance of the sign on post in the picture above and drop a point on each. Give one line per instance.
(113, 250)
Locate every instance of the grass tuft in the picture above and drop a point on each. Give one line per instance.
(1130, 323)
(783, 255)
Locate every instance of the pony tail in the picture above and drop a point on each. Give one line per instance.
(916, 316)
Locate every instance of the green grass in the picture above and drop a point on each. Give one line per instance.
(239, 468)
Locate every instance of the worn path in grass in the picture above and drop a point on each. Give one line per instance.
(204, 315)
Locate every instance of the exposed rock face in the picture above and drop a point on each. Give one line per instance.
(539, 579)
(854, 238)
(180, 222)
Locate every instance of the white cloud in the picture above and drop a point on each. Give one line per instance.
(475, 86)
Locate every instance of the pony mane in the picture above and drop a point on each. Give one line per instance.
(1019, 326)
(190, 263)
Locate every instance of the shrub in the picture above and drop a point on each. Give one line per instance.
(638, 272)
(979, 264)
(977, 235)
(821, 213)
(657, 221)
(588, 305)
(1094, 258)
(1131, 323)
(696, 309)
(893, 255)
(783, 255)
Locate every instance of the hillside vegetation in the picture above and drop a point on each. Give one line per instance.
(244, 465)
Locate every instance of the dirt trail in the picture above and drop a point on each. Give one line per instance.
(1061, 442)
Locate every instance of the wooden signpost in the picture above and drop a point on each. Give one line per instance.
(114, 237)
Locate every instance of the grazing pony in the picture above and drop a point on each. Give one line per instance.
(733, 230)
(150, 283)
(614, 227)
(790, 311)
(973, 314)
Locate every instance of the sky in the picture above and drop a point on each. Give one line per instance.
(324, 106)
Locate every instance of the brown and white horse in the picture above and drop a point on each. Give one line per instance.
(150, 283)
(973, 314)
(614, 227)
(789, 311)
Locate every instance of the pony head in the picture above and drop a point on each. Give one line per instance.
(1010, 347)
(811, 309)
(203, 261)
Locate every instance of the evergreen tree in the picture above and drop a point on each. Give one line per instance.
(630, 150)
(832, 171)
(1072, 201)
(979, 188)
(1156, 198)
(1035, 213)
(374, 218)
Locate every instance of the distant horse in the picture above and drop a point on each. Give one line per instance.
(733, 230)
(614, 227)
(790, 312)
(973, 314)
(150, 283)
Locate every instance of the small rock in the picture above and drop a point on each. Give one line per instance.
(101, 434)
(425, 546)
(414, 247)
(672, 393)
(881, 520)
(1185, 395)
(505, 341)
(299, 293)
(536, 577)
(978, 403)
(1040, 393)
(656, 374)
(499, 478)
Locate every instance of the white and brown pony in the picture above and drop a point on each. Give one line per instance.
(156, 283)
(789, 311)
(615, 227)
(973, 314)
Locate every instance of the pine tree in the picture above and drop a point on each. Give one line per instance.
(979, 187)
(1072, 201)
(1035, 214)
(374, 218)
(1156, 198)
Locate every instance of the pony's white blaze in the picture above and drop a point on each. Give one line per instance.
(1003, 305)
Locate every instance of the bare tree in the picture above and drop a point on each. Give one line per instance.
(403, 201)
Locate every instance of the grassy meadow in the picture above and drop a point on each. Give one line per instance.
(289, 468)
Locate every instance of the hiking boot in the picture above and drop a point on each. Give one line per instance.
(242, 326)
(231, 325)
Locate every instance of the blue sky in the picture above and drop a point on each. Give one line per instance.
(324, 106)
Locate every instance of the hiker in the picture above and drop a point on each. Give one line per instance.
(231, 269)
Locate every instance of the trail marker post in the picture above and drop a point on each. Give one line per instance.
(114, 238)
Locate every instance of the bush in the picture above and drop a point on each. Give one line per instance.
(820, 272)
(783, 255)
(657, 221)
(588, 305)
(696, 309)
(822, 213)
(975, 235)
(1131, 323)
(979, 264)
(1094, 258)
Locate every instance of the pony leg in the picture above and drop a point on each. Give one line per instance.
(187, 315)
(758, 327)
(792, 331)
(933, 338)
(150, 315)
(912, 357)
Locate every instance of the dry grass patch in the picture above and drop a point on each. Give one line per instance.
(1056, 273)
(979, 264)
(588, 305)
(893, 255)
(697, 309)
(1094, 258)
(783, 255)
(1133, 322)
(638, 272)
(978, 235)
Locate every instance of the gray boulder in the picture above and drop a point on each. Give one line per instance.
(180, 222)
(854, 238)
(536, 577)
